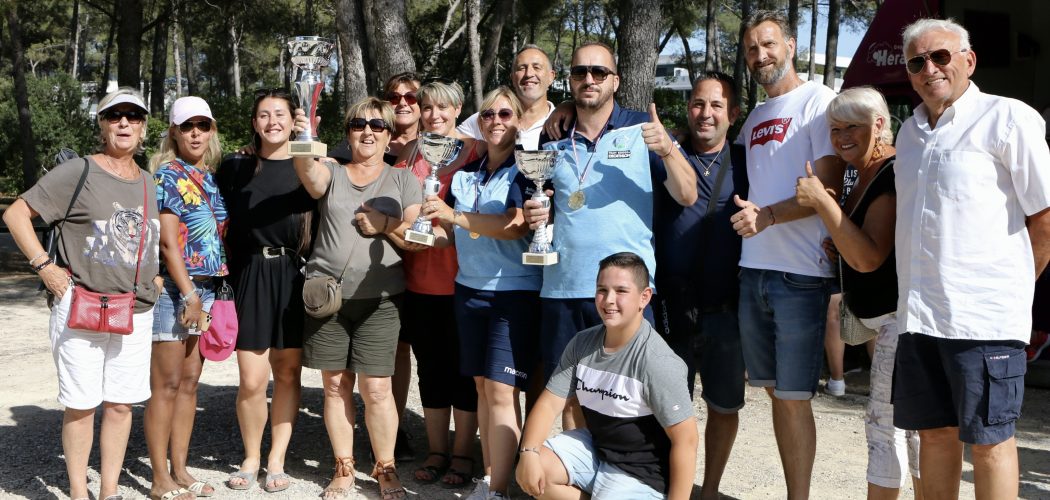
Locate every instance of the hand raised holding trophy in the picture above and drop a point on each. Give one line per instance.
(439, 151)
(309, 57)
(538, 167)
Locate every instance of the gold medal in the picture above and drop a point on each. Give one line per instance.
(474, 235)
(576, 200)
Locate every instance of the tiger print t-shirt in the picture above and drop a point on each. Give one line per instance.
(100, 238)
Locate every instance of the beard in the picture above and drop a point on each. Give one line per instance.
(770, 74)
(592, 102)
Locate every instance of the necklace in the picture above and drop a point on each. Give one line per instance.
(478, 185)
(707, 168)
(109, 161)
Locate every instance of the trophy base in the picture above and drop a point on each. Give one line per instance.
(312, 149)
(418, 237)
(539, 259)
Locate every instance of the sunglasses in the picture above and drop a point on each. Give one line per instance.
(939, 57)
(394, 98)
(599, 73)
(202, 125)
(358, 124)
(133, 116)
(503, 114)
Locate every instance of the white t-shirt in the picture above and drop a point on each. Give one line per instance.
(781, 135)
(529, 139)
(965, 268)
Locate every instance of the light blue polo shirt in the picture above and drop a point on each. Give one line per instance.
(486, 263)
(617, 215)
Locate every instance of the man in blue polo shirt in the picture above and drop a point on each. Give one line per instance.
(612, 160)
(697, 255)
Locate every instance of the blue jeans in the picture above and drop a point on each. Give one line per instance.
(168, 310)
(782, 318)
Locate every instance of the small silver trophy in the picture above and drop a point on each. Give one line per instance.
(438, 151)
(309, 57)
(538, 167)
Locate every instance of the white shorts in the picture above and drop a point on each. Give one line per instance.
(96, 367)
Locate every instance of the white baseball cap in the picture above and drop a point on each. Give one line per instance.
(185, 108)
(125, 99)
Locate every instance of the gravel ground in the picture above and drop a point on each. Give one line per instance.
(31, 463)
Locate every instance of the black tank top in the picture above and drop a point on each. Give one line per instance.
(870, 295)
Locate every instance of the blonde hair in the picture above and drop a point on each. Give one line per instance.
(505, 92)
(360, 108)
(169, 150)
(449, 94)
(108, 98)
(861, 105)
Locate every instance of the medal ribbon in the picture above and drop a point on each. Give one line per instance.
(572, 134)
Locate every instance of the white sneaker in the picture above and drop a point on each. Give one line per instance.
(481, 489)
(835, 387)
(495, 495)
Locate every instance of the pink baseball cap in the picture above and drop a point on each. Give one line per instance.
(187, 107)
(220, 339)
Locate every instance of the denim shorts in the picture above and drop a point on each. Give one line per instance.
(166, 324)
(599, 479)
(709, 343)
(977, 386)
(498, 333)
(782, 317)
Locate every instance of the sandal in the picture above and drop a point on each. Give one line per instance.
(273, 478)
(434, 472)
(344, 467)
(171, 495)
(382, 472)
(197, 489)
(248, 477)
(463, 476)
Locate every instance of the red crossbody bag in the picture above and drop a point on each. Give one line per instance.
(110, 312)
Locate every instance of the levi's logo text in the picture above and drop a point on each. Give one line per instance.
(769, 130)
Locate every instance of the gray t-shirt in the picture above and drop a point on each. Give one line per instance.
(375, 268)
(628, 397)
(100, 238)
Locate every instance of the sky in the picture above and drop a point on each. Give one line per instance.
(848, 40)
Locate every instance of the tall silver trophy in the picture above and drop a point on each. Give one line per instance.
(538, 167)
(439, 151)
(309, 57)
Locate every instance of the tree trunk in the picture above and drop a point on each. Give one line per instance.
(310, 17)
(352, 65)
(689, 64)
(393, 47)
(73, 47)
(129, 42)
(813, 43)
(711, 50)
(832, 45)
(190, 54)
(494, 31)
(439, 44)
(25, 118)
(473, 17)
(368, 45)
(104, 79)
(160, 64)
(740, 71)
(637, 39)
(235, 58)
(175, 54)
(793, 23)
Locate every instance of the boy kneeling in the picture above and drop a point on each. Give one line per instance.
(641, 437)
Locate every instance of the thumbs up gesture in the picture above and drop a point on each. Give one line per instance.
(745, 222)
(810, 192)
(656, 138)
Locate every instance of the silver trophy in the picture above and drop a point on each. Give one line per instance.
(538, 167)
(309, 57)
(439, 151)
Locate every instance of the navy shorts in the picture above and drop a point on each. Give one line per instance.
(708, 340)
(562, 320)
(498, 332)
(974, 385)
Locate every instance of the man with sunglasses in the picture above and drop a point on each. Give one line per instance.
(785, 277)
(530, 77)
(973, 187)
(612, 161)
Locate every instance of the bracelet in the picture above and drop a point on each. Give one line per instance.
(40, 267)
(184, 298)
(455, 215)
(772, 218)
(535, 449)
(41, 254)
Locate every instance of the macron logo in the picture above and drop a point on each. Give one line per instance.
(769, 130)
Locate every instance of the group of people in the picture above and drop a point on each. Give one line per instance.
(706, 256)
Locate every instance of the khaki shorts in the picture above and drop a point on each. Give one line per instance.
(361, 337)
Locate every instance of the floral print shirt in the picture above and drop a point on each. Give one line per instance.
(202, 216)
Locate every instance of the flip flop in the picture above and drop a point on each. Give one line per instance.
(198, 489)
(248, 477)
(273, 478)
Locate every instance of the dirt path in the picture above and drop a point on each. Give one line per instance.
(31, 464)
